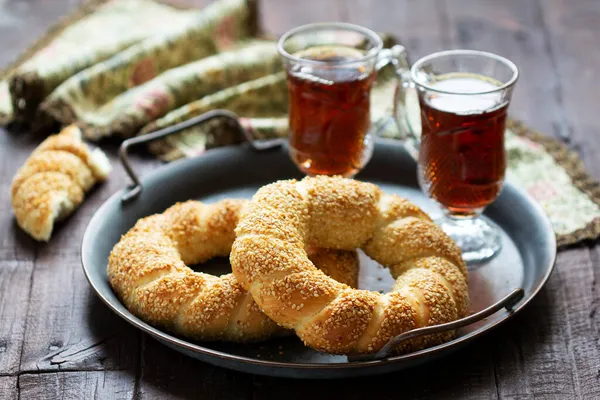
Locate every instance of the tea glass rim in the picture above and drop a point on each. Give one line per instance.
(331, 25)
(463, 52)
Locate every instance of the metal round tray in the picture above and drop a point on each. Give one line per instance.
(526, 259)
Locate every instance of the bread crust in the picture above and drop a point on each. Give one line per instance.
(332, 212)
(148, 270)
(53, 181)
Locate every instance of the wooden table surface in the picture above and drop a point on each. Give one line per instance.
(57, 340)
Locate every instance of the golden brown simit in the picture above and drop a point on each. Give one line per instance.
(269, 260)
(147, 269)
(53, 181)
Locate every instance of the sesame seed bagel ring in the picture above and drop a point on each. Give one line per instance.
(269, 259)
(148, 270)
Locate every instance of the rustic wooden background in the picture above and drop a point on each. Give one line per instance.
(58, 341)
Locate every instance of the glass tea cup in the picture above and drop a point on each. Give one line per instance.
(330, 69)
(463, 97)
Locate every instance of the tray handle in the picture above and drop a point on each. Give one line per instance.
(135, 188)
(507, 302)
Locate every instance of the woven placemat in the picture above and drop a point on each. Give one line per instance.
(546, 168)
(572, 164)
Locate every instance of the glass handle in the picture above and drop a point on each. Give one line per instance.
(398, 57)
(395, 55)
(391, 59)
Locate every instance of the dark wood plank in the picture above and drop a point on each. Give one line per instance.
(14, 244)
(467, 374)
(168, 374)
(14, 299)
(557, 328)
(513, 29)
(422, 26)
(17, 256)
(573, 32)
(8, 387)
(529, 349)
(17, 250)
(278, 16)
(68, 328)
(576, 271)
(77, 385)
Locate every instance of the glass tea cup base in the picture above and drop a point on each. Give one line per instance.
(478, 238)
(321, 163)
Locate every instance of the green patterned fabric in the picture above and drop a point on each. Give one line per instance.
(127, 112)
(95, 95)
(256, 100)
(123, 44)
(129, 67)
(111, 28)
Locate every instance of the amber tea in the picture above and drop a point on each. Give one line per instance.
(329, 111)
(462, 157)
